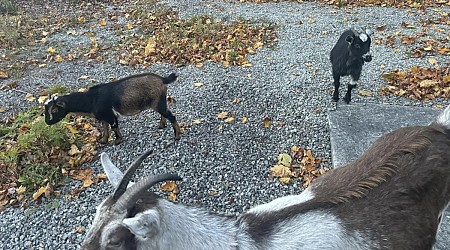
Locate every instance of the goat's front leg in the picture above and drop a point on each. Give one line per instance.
(105, 135)
(115, 128)
(337, 84)
(348, 95)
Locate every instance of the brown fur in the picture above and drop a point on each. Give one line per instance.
(393, 194)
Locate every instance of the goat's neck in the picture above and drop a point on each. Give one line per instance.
(183, 227)
(79, 102)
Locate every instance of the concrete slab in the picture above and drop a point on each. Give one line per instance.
(355, 127)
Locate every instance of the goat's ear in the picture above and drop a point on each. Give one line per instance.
(60, 103)
(145, 224)
(349, 39)
(114, 174)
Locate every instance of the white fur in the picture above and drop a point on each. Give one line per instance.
(353, 82)
(284, 202)
(144, 224)
(444, 117)
(363, 37)
(319, 230)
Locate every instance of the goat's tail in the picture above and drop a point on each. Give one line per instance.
(444, 118)
(171, 78)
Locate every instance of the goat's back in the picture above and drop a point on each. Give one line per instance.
(390, 198)
(133, 94)
(396, 191)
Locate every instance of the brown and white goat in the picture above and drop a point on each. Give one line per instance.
(392, 197)
(127, 96)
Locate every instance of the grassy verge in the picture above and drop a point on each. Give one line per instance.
(35, 158)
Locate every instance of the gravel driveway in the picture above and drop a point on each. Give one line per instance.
(224, 166)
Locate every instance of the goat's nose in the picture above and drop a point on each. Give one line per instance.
(367, 57)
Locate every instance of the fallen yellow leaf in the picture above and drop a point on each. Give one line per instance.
(42, 99)
(198, 84)
(267, 122)
(2, 110)
(229, 120)
(81, 19)
(73, 149)
(172, 197)
(3, 74)
(281, 171)
(446, 79)
(58, 58)
(102, 22)
(168, 186)
(222, 115)
(365, 93)
(196, 122)
(38, 193)
(428, 48)
(51, 50)
(285, 180)
(428, 83)
(432, 61)
(129, 26)
(29, 97)
(84, 175)
(244, 120)
(150, 47)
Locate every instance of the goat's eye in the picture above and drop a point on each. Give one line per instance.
(115, 243)
(357, 46)
(54, 110)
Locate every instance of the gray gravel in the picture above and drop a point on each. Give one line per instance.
(233, 160)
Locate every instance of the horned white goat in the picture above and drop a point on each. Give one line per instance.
(392, 197)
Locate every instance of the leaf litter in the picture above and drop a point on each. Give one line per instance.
(299, 164)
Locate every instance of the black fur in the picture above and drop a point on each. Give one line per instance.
(347, 58)
(126, 96)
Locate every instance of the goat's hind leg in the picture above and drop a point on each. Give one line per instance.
(166, 114)
(336, 84)
(162, 122)
(176, 128)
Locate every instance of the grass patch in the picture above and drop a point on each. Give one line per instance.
(7, 7)
(58, 89)
(35, 157)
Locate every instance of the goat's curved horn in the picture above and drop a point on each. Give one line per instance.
(128, 200)
(354, 32)
(122, 187)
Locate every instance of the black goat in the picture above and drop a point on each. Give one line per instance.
(127, 96)
(347, 58)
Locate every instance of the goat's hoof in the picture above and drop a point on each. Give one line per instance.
(118, 141)
(346, 100)
(102, 140)
(178, 137)
(335, 99)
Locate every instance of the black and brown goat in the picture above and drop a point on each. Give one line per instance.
(127, 96)
(347, 58)
(392, 197)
